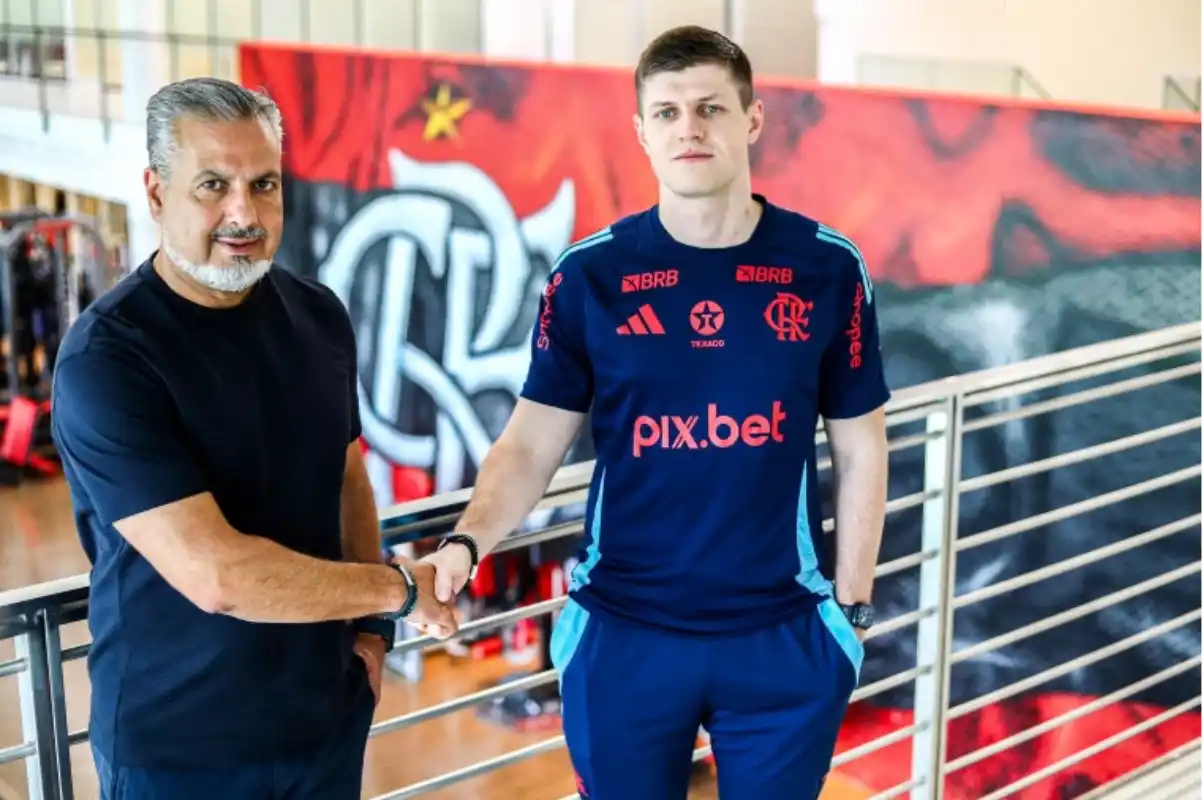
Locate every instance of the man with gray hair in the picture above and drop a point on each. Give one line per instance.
(206, 412)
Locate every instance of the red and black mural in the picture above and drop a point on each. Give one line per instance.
(434, 195)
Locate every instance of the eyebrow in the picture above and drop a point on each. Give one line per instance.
(212, 173)
(703, 99)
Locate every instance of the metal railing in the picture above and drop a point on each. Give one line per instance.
(962, 76)
(1181, 93)
(83, 69)
(938, 420)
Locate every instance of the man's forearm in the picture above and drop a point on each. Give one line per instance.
(508, 486)
(266, 582)
(860, 499)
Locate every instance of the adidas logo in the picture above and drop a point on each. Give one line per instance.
(641, 323)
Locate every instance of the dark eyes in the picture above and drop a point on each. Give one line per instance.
(216, 185)
(707, 110)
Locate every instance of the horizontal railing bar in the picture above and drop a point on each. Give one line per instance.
(892, 446)
(14, 667)
(895, 505)
(1080, 455)
(1094, 749)
(1111, 350)
(471, 771)
(886, 684)
(912, 500)
(880, 743)
(1064, 719)
(1080, 507)
(906, 562)
(1181, 753)
(1036, 383)
(76, 652)
(1073, 665)
(1184, 784)
(1048, 623)
(77, 737)
(466, 701)
(485, 623)
(1070, 564)
(17, 752)
(1080, 397)
(900, 789)
(899, 622)
(559, 531)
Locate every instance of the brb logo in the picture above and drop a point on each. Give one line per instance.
(670, 432)
(854, 325)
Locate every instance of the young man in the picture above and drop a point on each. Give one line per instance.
(706, 335)
(206, 413)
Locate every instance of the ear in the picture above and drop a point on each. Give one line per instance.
(755, 121)
(638, 122)
(154, 192)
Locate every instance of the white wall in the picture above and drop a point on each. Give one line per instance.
(1113, 52)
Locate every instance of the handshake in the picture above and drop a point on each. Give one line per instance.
(438, 577)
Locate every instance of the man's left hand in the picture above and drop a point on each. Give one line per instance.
(370, 648)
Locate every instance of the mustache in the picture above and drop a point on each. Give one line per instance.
(240, 233)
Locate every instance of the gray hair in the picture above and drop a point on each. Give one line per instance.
(202, 98)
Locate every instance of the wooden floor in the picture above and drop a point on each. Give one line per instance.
(38, 543)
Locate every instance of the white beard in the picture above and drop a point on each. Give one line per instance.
(234, 278)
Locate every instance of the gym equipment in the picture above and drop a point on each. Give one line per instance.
(47, 277)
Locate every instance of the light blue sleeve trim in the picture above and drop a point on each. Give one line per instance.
(593, 239)
(843, 633)
(832, 236)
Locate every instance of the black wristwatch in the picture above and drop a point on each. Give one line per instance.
(859, 614)
(468, 542)
(383, 627)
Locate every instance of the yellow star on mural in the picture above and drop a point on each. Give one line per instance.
(442, 114)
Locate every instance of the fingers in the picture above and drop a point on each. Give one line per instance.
(444, 585)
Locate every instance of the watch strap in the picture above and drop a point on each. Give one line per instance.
(383, 627)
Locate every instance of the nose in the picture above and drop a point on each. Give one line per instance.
(693, 127)
(240, 207)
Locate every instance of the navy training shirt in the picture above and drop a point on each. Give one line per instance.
(706, 371)
(156, 399)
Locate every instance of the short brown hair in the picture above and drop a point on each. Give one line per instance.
(690, 46)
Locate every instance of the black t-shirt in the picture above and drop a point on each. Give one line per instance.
(157, 399)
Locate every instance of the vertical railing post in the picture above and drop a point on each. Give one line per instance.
(37, 713)
(27, 695)
(941, 476)
(51, 630)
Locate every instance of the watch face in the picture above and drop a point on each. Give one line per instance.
(861, 616)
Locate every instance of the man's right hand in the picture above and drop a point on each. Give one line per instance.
(430, 615)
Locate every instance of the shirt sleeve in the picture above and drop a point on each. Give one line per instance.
(560, 373)
(351, 348)
(853, 376)
(118, 432)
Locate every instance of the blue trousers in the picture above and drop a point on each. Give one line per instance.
(334, 773)
(771, 700)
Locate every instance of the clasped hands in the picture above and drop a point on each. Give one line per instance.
(439, 577)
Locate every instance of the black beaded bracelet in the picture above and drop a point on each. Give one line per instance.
(411, 598)
(468, 542)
